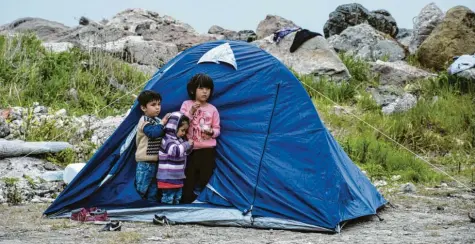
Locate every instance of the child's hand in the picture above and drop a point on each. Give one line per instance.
(195, 107)
(165, 118)
(190, 141)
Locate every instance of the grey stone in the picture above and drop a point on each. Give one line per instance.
(408, 188)
(429, 17)
(401, 104)
(314, 57)
(398, 73)
(44, 29)
(57, 47)
(18, 148)
(354, 14)
(363, 41)
(271, 24)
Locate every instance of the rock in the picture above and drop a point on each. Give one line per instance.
(20, 166)
(429, 17)
(244, 35)
(395, 177)
(40, 110)
(50, 166)
(271, 24)
(408, 188)
(18, 148)
(363, 41)
(398, 73)
(382, 21)
(89, 36)
(52, 175)
(44, 29)
(154, 53)
(404, 37)
(314, 57)
(103, 129)
(71, 171)
(147, 69)
(181, 36)
(401, 104)
(452, 37)
(4, 128)
(35, 200)
(46, 200)
(73, 95)
(354, 14)
(85, 21)
(440, 208)
(129, 19)
(57, 47)
(61, 113)
(444, 185)
(380, 183)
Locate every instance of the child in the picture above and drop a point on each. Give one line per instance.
(204, 129)
(172, 158)
(149, 131)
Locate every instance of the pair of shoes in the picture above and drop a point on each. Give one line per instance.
(113, 226)
(162, 220)
(95, 215)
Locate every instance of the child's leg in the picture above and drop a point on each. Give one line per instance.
(167, 196)
(207, 163)
(190, 180)
(178, 194)
(144, 180)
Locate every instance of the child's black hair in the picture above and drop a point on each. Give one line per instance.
(199, 80)
(184, 119)
(148, 96)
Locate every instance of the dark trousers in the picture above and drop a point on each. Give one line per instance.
(199, 169)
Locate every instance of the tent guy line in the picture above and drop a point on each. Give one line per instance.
(391, 139)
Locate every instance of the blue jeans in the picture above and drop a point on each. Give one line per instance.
(171, 196)
(145, 181)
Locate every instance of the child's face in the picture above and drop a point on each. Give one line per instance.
(152, 109)
(202, 94)
(182, 130)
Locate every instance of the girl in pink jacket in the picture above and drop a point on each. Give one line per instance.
(204, 129)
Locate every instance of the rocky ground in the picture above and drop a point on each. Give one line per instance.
(433, 215)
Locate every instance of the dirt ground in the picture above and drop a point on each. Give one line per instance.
(434, 216)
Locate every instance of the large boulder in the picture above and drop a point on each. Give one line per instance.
(354, 14)
(90, 35)
(44, 29)
(244, 35)
(271, 24)
(454, 36)
(398, 73)
(429, 17)
(17, 148)
(135, 49)
(314, 57)
(363, 41)
(393, 79)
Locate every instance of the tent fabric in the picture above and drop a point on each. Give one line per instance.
(275, 158)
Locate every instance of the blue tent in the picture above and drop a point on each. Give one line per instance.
(277, 164)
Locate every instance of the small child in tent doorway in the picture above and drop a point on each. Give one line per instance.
(172, 157)
(204, 129)
(149, 133)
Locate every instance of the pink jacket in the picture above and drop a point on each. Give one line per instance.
(206, 116)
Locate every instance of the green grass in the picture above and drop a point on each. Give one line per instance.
(441, 129)
(29, 73)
